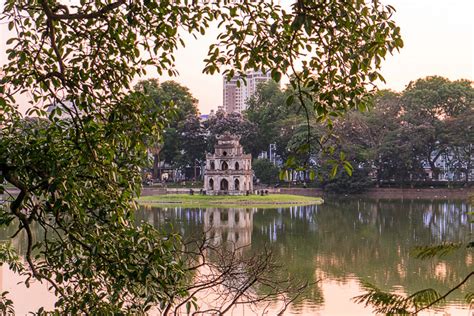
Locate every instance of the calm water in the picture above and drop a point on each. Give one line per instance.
(343, 242)
(340, 243)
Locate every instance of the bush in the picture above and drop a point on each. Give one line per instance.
(359, 182)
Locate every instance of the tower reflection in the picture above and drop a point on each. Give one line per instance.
(229, 227)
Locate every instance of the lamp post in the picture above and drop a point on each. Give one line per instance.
(272, 149)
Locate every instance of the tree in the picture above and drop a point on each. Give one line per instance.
(342, 183)
(170, 94)
(180, 104)
(193, 142)
(266, 108)
(171, 146)
(78, 175)
(362, 136)
(460, 139)
(235, 124)
(428, 104)
(265, 171)
(402, 134)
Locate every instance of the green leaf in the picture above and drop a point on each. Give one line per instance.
(440, 250)
(290, 100)
(334, 171)
(348, 167)
(298, 22)
(276, 75)
(354, 68)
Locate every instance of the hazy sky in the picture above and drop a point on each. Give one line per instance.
(438, 36)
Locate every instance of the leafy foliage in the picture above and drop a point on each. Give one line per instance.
(395, 304)
(342, 182)
(404, 133)
(265, 171)
(424, 252)
(6, 305)
(77, 167)
(235, 124)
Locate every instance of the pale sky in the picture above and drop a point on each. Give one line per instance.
(438, 37)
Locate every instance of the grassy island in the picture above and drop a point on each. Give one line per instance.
(267, 201)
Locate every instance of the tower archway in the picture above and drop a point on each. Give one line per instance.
(224, 166)
(224, 185)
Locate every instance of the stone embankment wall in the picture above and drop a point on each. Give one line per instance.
(378, 193)
(394, 193)
(435, 193)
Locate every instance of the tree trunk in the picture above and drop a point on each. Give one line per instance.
(156, 165)
(434, 170)
(195, 171)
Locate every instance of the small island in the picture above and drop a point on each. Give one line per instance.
(228, 183)
(265, 201)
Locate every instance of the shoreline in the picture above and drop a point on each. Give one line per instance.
(395, 193)
(186, 200)
(373, 193)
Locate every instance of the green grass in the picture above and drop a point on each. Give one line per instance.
(272, 200)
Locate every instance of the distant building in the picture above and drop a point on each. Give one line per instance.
(66, 109)
(228, 170)
(205, 117)
(235, 97)
(450, 167)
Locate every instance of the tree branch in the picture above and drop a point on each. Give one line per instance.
(80, 16)
(446, 294)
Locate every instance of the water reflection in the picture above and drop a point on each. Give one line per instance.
(343, 242)
(340, 242)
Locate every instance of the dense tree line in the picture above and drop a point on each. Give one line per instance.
(397, 137)
(426, 132)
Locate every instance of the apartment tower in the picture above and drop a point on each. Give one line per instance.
(235, 97)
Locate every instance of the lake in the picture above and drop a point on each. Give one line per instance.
(338, 245)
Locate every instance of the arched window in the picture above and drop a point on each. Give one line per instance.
(236, 166)
(211, 184)
(236, 184)
(213, 165)
(224, 166)
(224, 153)
(224, 185)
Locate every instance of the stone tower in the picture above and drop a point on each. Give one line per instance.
(228, 169)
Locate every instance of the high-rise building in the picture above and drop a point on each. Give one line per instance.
(235, 97)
